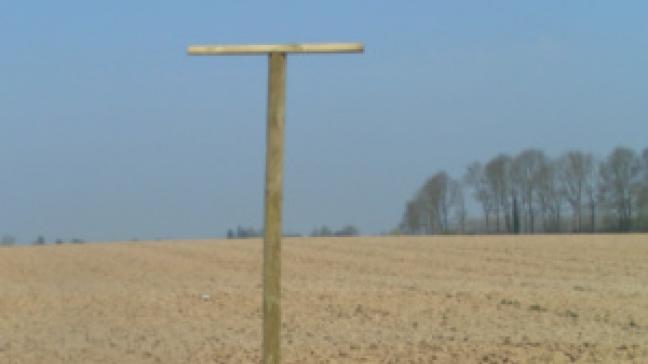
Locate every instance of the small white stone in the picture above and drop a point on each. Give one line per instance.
(205, 297)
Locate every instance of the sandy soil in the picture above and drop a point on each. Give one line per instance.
(537, 299)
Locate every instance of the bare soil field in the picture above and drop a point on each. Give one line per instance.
(490, 299)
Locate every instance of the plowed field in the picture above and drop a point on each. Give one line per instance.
(495, 299)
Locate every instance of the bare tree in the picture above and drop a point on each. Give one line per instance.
(439, 199)
(459, 202)
(497, 172)
(430, 200)
(411, 223)
(642, 193)
(591, 191)
(550, 196)
(619, 174)
(575, 169)
(475, 177)
(526, 170)
(516, 216)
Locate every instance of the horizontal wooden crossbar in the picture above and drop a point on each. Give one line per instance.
(256, 49)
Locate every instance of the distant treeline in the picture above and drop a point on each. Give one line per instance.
(8, 240)
(250, 232)
(347, 230)
(531, 193)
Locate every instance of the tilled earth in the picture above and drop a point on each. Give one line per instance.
(490, 299)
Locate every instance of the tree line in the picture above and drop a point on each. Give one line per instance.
(531, 193)
(8, 240)
(249, 232)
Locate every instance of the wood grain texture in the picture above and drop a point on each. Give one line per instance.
(260, 49)
(271, 276)
(272, 209)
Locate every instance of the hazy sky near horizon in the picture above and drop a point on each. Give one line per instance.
(110, 131)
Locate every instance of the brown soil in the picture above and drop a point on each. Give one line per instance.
(495, 299)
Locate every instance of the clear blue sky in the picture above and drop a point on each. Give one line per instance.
(109, 131)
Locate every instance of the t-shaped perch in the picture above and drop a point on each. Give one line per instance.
(274, 170)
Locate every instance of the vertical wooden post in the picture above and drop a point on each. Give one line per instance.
(274, 170)
(272, 209)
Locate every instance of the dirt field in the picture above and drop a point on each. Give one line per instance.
(539, 299)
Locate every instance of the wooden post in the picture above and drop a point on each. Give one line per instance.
(272, 211)
(273, 194)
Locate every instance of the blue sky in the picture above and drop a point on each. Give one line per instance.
(109, 131)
